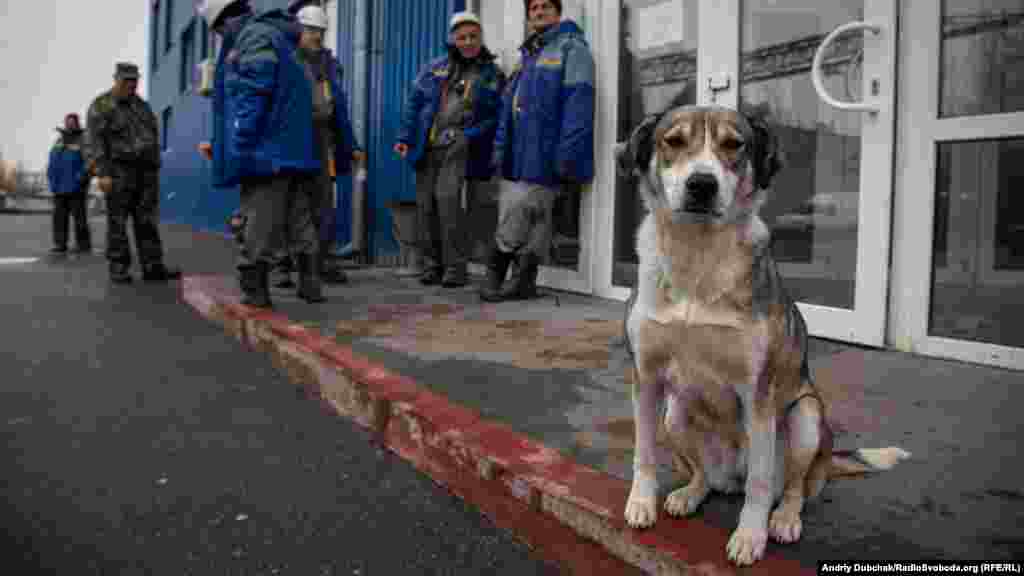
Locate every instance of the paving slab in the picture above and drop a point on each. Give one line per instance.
(551, 375)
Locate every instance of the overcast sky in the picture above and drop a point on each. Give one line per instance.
(56, 56)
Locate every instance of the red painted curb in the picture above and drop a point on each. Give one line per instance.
(519, 483)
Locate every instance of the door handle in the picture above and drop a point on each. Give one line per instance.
(817, 76)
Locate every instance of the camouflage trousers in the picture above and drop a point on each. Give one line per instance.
(135, 194)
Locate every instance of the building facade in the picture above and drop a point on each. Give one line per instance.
(895, 221)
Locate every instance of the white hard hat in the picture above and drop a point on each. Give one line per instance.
(211, 10)
(313, 16)
(460, 18)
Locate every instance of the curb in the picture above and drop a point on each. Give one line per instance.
(569, 512)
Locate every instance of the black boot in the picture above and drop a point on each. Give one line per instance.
(331, 272)
(120, 274)
(310, 288)
(160, 273)
(255, 282)
(433, 276)
(497, 267)
(282, 272)
(525, 286)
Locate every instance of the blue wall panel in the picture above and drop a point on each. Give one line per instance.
(187, 196)
(403, 36)
(406, 34)
(346, 18)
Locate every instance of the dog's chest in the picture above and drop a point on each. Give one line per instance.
(702, 276)
(694, 301)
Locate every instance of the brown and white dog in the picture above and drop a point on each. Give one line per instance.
(714, 334)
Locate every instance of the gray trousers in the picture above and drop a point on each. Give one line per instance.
(278, 214)
(440, 218)
(524, 218)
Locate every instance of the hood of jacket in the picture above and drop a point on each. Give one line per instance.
(70, 136)
(284, 22)
(277, 18)
(540, 39)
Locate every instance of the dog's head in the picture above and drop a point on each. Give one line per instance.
(704, 164)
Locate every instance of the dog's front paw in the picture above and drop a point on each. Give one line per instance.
(746, 545)
(642, 506)
(685, 501)
(785, 525)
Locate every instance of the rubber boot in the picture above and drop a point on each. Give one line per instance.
(255, 283)
(282, 272)
(525, 286)
(331, 272)
(310, 288)
(161, 273)
(497, 267)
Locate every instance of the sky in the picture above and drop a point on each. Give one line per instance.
(57, 55)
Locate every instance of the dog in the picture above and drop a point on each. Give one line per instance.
(714, 336)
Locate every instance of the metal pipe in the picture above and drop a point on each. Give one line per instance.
(360, 91)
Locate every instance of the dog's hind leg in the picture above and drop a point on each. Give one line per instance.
(803, 446)
(642, 506)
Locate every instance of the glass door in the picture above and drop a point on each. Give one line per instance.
(829, 207)
(958, 268)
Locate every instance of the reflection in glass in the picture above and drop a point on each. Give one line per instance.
(982, 57)
(812, 208)
(978, 245)
(657, 61)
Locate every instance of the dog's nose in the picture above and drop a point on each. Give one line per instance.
(702, 187)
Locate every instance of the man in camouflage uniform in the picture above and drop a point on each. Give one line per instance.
(123, 151)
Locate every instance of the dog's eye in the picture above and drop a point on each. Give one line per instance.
(676, 141)
(732, 144)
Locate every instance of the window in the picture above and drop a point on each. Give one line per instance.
(188, 56)
(154, 36)
(169, 26)
(165, 126)
(204, 31)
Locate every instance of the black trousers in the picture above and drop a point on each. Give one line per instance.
(67, 207)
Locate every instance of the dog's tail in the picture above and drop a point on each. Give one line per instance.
(865, 461)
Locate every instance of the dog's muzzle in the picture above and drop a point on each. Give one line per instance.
(701, 193)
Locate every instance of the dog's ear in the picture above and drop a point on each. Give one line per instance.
(765, 154)
(635, 154)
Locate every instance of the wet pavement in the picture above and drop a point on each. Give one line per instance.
(555, 369)
(136, 439)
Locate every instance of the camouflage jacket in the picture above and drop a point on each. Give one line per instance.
(121, 132)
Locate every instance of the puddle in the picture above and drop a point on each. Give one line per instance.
(445, 330)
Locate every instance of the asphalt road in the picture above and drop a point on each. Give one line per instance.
(138, 439)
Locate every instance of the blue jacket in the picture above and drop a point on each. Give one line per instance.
(546, 132)
(425, 101)
(260, 89)
(345, 141)
(66, 170)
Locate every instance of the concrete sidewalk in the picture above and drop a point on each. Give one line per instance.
(530, 402)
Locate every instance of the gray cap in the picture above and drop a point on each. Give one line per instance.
(126, 71)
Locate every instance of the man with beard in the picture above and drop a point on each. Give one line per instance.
(69, 183)
(447, 134)
(544, 143)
